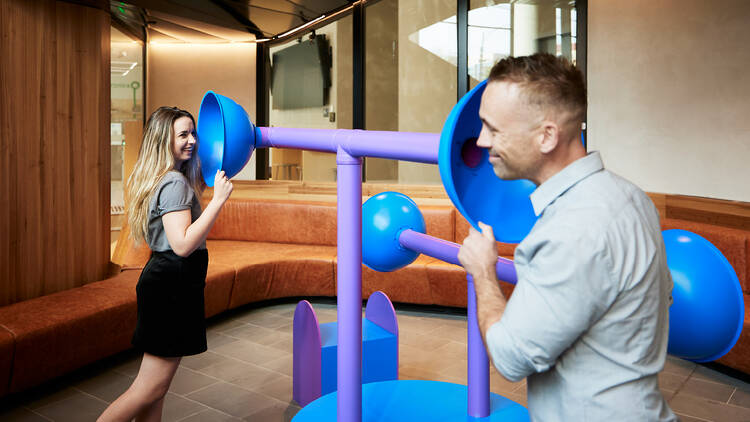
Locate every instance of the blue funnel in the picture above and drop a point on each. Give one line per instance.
(227, 138)
(708, 311)
(470, 181)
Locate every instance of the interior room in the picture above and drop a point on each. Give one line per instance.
(332, 103)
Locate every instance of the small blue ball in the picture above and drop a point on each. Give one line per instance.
(384, 217)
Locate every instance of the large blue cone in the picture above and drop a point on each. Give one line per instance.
(227, 138)
(708, 311)
(470, 181)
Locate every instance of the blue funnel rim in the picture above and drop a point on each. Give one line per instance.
(444, 158)
(217, 98)
(727, 267)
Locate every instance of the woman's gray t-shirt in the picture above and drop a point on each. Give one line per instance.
(173, 193)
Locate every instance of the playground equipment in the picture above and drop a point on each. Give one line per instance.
(227, 138)
(315, 346)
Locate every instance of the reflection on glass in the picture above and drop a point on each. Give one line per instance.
(410, 81)
(126, 78)
(501, 29)
(299, 61)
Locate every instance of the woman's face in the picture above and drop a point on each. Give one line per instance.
(184, 140)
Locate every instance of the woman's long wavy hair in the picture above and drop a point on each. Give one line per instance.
(156, 159)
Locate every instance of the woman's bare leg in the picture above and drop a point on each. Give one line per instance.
(148, 389)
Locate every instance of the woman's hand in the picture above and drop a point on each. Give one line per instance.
(222, 188)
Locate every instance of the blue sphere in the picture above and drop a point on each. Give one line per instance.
(708, 310)
(384, 217)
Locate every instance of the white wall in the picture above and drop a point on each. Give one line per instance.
(180, 74)
(669, 94)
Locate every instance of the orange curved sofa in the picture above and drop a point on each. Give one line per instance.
(260, 249)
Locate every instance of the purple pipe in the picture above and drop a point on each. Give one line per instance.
(448, 252)
(406, 146)
(477, 367)
(349, 289)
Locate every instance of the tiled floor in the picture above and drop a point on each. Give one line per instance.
(246, 374)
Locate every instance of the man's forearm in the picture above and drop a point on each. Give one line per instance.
(490, 303)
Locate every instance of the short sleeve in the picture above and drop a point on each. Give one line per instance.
(564, 286)
(174, 195)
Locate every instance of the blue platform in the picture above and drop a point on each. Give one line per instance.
(414, 400)
(379, 354)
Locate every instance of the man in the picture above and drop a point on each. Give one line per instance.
(587, 323)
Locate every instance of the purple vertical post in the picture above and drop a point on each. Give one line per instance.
(478, 368)
(349, 289)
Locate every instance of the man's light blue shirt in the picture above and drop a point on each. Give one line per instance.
(588, 320)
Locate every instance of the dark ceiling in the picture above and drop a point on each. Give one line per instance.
(208, 21)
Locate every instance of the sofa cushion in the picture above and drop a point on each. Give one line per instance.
(7, 349)
(408, 284)
(273, 270)
(306, 223)
(448, 283)
(57, 333)
(739, 356)
(731, 242)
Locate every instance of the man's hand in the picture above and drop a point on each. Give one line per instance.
(478, 254)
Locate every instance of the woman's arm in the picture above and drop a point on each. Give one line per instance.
(184, 237)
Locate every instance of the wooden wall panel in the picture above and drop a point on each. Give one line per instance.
(54, 151)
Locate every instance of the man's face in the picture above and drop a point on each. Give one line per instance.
(509, 131)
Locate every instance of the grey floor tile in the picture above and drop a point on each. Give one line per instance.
(281, 412)
(283, 365)
(248, 351)
(225, 325)
(285, 343)
(422, 341)
(202, 360)
(210, 415)
(278, 387)
(265, 319)
(47, 395)
(79, 407)
(186, 381)
(231, 370)
(107, 386)
(740, 398)
(699, 407)
(708, 374)
(256, 378)
(707, 389)
(449, 332)
(670, 381)
(686, 418)
(678, 366)
(129, 367)
(231, 399)
(217, 339)
(22, 415)
(177, 407)
(257, 334)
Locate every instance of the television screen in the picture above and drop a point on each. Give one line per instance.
(301, 74)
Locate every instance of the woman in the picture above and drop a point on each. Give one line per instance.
(164, 210)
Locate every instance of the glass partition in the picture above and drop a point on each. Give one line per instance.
(126, 78)
(319, 60)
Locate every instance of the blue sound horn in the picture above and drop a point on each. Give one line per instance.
(226, 136)
(470, 181)
(708, 312)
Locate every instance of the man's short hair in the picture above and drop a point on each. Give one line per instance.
(549, 83)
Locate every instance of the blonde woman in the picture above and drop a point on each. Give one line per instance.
(164, 210)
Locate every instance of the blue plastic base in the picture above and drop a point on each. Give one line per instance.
(414, 400)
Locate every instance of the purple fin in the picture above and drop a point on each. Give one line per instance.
(380, 310)
(306, 356)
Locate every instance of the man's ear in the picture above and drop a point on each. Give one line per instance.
(549, 137)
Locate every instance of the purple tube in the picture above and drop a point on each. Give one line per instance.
(478, 367)
(349, 289)
(406, 146)
(448, 252)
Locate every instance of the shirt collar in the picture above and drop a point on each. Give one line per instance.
(556, 185)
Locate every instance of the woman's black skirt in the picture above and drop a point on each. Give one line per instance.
(171, 318)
